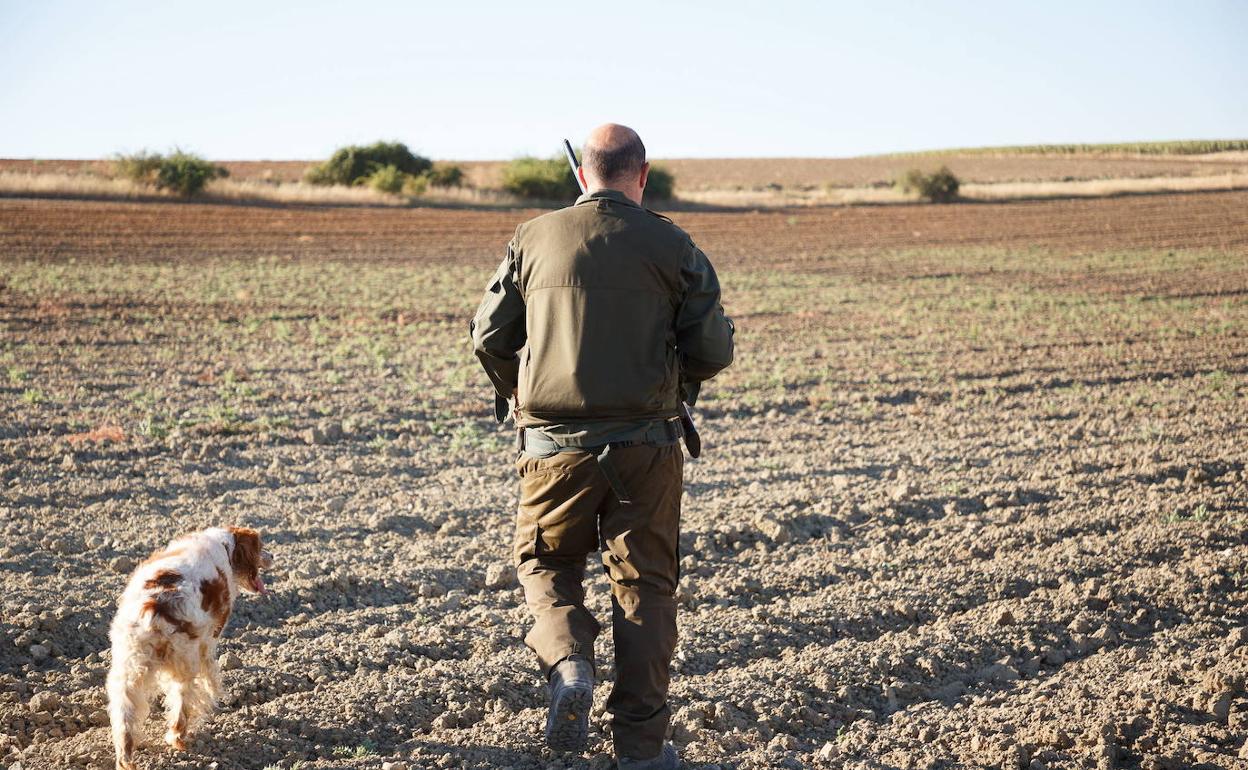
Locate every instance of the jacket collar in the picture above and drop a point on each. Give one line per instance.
(614, 196)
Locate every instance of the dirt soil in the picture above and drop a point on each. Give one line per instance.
(974, 493)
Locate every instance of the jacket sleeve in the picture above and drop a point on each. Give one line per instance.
(498, 328)
(703, 333)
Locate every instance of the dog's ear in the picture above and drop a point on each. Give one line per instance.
(245, 559)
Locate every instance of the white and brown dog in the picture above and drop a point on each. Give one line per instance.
(164, 636)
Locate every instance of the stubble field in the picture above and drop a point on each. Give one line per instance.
(974, 493)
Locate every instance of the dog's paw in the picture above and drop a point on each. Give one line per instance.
(176, 741)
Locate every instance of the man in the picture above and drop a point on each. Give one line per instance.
(601, 318)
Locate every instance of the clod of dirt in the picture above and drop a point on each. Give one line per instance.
(327, 432)
(39, 652)
(1196, 475)
(44, 702)
(122, 564)
(1220, 705)
(499, 576)
(776, 531)
(904, 491)
(1005, 618)
(229, 662)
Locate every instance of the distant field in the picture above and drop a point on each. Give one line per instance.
(1010, 165)
(1182, 147)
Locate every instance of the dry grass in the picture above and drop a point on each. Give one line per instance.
(299, 192)
(88, 185)
(1099, 188)
(1002, 191)
(98, 186)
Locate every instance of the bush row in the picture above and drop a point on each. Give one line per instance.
(939, 186)
(180, 172)
(552, 179)
(388, 167)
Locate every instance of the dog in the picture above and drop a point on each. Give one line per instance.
(164, 635)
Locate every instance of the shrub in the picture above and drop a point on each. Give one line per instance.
(181, 172)
(353, 164)
(940, 186)
(187, 174)
(387, 179)
(415, 185)
(541, 178)
(445, 176)
(659, 184)
(140, 167)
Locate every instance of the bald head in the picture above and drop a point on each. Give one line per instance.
(614, 157)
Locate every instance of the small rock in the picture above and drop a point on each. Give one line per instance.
(431, 589)
(1220, 705)
(998, 672)
(335, 504)
(393, 766)
(499, 576)
(44, 702)
(68, 463)
(122, 564)
(827, 752)
(904, 491)
(63, 545)
(229, 662)
(1054, 656)
(39, 652)
(446, 721)
(776, 531)
(1005, 618)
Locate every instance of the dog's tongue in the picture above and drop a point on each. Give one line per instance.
(258, 584)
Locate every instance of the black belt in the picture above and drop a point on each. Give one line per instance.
(658, 433)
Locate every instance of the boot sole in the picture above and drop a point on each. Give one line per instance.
(567, 725)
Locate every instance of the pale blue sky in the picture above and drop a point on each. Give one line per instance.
(465, 80)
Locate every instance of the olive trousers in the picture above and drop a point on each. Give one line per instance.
(568, 510)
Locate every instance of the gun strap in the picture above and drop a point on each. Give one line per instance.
(607, 465)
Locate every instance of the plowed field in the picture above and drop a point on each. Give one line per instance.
(974, 493)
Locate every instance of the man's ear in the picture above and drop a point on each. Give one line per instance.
(580, 174)
(645, 174)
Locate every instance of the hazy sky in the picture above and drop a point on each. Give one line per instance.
(464, 80)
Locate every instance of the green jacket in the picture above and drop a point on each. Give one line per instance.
(601, 312)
